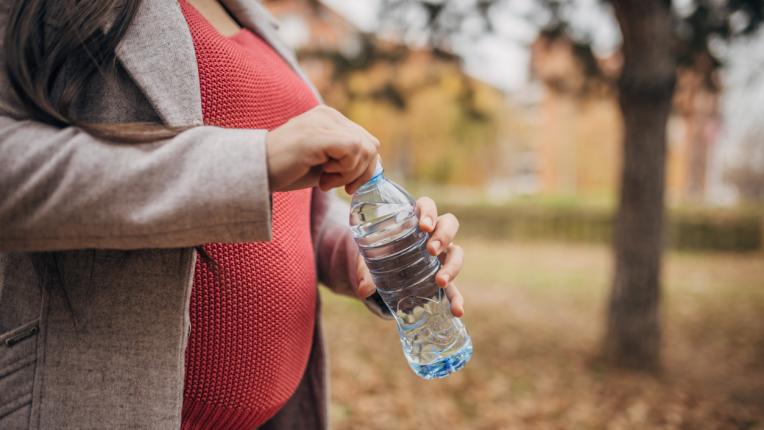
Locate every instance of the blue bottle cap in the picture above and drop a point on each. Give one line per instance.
(378, 170)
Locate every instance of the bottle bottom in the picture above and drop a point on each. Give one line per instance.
(444, 366)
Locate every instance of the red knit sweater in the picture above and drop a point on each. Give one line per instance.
(252, 312)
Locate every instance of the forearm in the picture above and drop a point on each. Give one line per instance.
(64, 189)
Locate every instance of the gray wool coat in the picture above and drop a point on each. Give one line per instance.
(96, 239)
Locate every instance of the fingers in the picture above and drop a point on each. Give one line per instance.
(456, 299)
(445, 230)
(442, 231)
(338, 172)
(365, 287)
(428, 214)
(344, 151)
(362, 131)
(453, 261)
(364, 178)
(349, 167)
(346, 163)
(330, 180)
(355, 162)
(323, 137)
(311, 179)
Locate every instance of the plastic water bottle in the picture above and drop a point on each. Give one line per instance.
(386, 228)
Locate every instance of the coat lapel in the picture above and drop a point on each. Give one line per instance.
(158, 53)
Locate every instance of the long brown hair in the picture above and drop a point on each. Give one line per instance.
(45, 36)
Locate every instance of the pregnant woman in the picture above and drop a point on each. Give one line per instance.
(165, 218)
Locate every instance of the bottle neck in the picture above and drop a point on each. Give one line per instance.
(378, 173)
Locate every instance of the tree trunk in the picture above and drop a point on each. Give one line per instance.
(646, 87)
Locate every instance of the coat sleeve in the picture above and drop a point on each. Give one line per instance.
(62, 188)
(336, 250)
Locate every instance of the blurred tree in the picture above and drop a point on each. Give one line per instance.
(657, 39)
(645, 91)
(645, 88)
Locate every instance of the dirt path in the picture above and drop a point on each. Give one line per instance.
(534, 311)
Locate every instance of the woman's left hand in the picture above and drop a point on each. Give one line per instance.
(442, 230)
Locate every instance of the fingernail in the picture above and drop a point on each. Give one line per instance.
(445, 278)
(427, 222)
(435, 245)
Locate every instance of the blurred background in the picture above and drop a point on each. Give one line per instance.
(576, 141)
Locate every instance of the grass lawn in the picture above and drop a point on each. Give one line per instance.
(535, 314)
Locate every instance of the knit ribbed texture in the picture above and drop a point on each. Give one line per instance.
(252, 310)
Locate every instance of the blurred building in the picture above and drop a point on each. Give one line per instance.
(580, 128)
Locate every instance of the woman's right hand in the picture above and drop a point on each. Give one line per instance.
(320, 147)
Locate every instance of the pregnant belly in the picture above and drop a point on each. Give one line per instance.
(252, 314)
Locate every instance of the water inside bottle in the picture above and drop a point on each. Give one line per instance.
(434, 342)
